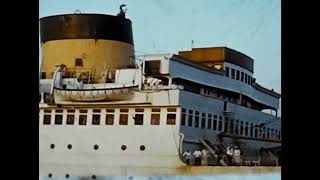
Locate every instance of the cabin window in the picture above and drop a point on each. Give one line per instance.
(123, 117)
(227, 71)
(70, 116)
(155, 116)
(43, 75)
(246, 129)
(190, 118)
(231, 126)
(109, 116)
(238, 75)
(78, 62)
(96, 117)
(279, 135)
(264, 132)
(171, 116)
(215, 122)
(246, 78)
(232, 73)
(152, 67)
(242, 74)
(203, 120)
(249, 80)
(226, 123)
(241, 128)
(209, 121)
(138, 118)
(220, 123)
(83, 117)
(58, 117)
(196, 119)
(183, 117)
(236, 127)
(256, 131)
(268, 133)
(251, 129)
(47, 117)
(271, 133)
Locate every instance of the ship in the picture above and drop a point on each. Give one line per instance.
(104, 111)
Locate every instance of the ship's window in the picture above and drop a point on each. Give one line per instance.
(46, 118)
(155, 116)
(183, 117)
(236, 127)
(279, 135)
(215, 122)
(78, 62)
(275, 134)
(142, 147)
(227, 71)
(246, 129)
(95, 147)
(49, 175)
(251, 129)
(171, 109)
(52, 146)
(69, 146)
(268, 132)
(241, 128)
(256, 131)
(138, 118)
(246, 78)
(209, 121)
(264, 132)
(123, 147)
(96, 119)
(93, 176)
(238, 75)
(271, 133)
(226, 124)
(110, 117)
(196, 119)
(220, 123)
(171, 119)
(43, 75)
(82, 119)
(232, 73)
(152, 67)
(70, 119)
(58, 119)
(249, 80)
(231, 126)
(123, 117)
(203, 120)
(67, 176)
(190, 118)
(242, 74)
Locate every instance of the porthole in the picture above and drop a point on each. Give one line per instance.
(123, 147)
(69, 146)
(49, 175)
(52, 146)
(67, 176)
(95, 147)
(93, 177)
(142, 147)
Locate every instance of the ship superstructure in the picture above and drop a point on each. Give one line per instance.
(104, 113)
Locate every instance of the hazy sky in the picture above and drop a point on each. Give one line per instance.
(249, 26)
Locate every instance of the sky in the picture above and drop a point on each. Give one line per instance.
(252, 27)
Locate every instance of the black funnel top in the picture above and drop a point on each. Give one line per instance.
(86, 26)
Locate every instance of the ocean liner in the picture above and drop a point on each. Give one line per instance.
(105, 112)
